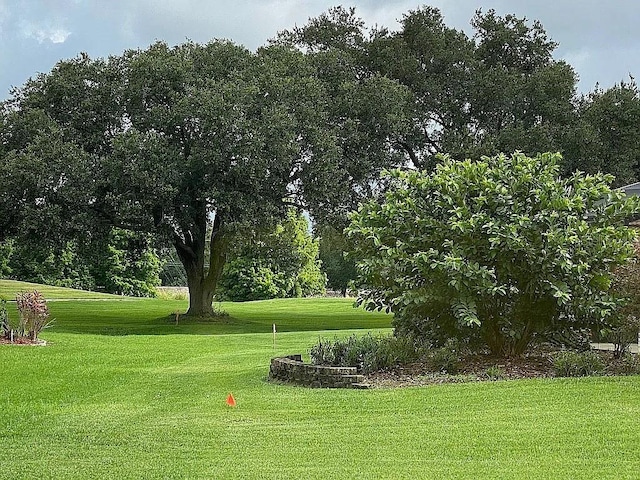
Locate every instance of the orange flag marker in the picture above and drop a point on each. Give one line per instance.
(231, 401)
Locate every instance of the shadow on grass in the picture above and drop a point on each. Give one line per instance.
(157, 317)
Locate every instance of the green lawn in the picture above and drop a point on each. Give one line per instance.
(120, 392)
(9, 288)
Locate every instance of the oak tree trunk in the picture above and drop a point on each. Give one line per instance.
(201, 281)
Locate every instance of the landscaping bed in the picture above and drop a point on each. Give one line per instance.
(484, 367)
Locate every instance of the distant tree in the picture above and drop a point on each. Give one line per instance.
(6, 250)
(339, 269)
(500, 90)
(50, 264)
(497, 250)
(127, 264)
(124, 263)
(605, 136)
(280, 262)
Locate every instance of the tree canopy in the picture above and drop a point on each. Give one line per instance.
(173, 140)
(604, 135)
(500, 90)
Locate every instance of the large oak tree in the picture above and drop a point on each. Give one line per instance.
(195, 143)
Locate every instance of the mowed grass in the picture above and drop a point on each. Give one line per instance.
(9, 289)
(117, 315)
(148, 401)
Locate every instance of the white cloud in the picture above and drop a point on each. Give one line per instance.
(58, 35)
(43, 33)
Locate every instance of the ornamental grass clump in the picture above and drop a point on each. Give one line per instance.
(34, 314)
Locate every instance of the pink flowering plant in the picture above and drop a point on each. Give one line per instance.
(34, 314)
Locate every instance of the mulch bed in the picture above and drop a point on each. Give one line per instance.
(22, 341)
(477, 368)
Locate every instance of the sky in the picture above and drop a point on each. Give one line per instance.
(600, 39)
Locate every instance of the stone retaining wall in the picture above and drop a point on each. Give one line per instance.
(291, 369)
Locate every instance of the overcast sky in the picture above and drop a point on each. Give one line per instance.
(600, 39)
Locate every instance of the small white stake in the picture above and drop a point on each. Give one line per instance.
(274, 336)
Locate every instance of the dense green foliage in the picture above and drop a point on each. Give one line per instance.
(38, 261)
(604, 135)
(577, 364)
(368, 353)
(333, 250)
(127, 264)
(500, 90)
(279, 263)
(121, 262)
(6, 250)
(493, 251)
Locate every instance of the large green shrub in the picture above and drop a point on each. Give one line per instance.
(245, 279)
(495, 250)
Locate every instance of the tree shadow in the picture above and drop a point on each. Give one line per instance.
(227, 325)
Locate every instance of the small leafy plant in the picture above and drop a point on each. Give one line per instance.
(578, 364)
(446, 359)
(623, 335)
(628, 364)
(34, 314)
(494, 373)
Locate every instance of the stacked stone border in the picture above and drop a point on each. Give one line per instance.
(291, 369)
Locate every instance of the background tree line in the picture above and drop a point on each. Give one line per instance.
(205, 148)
